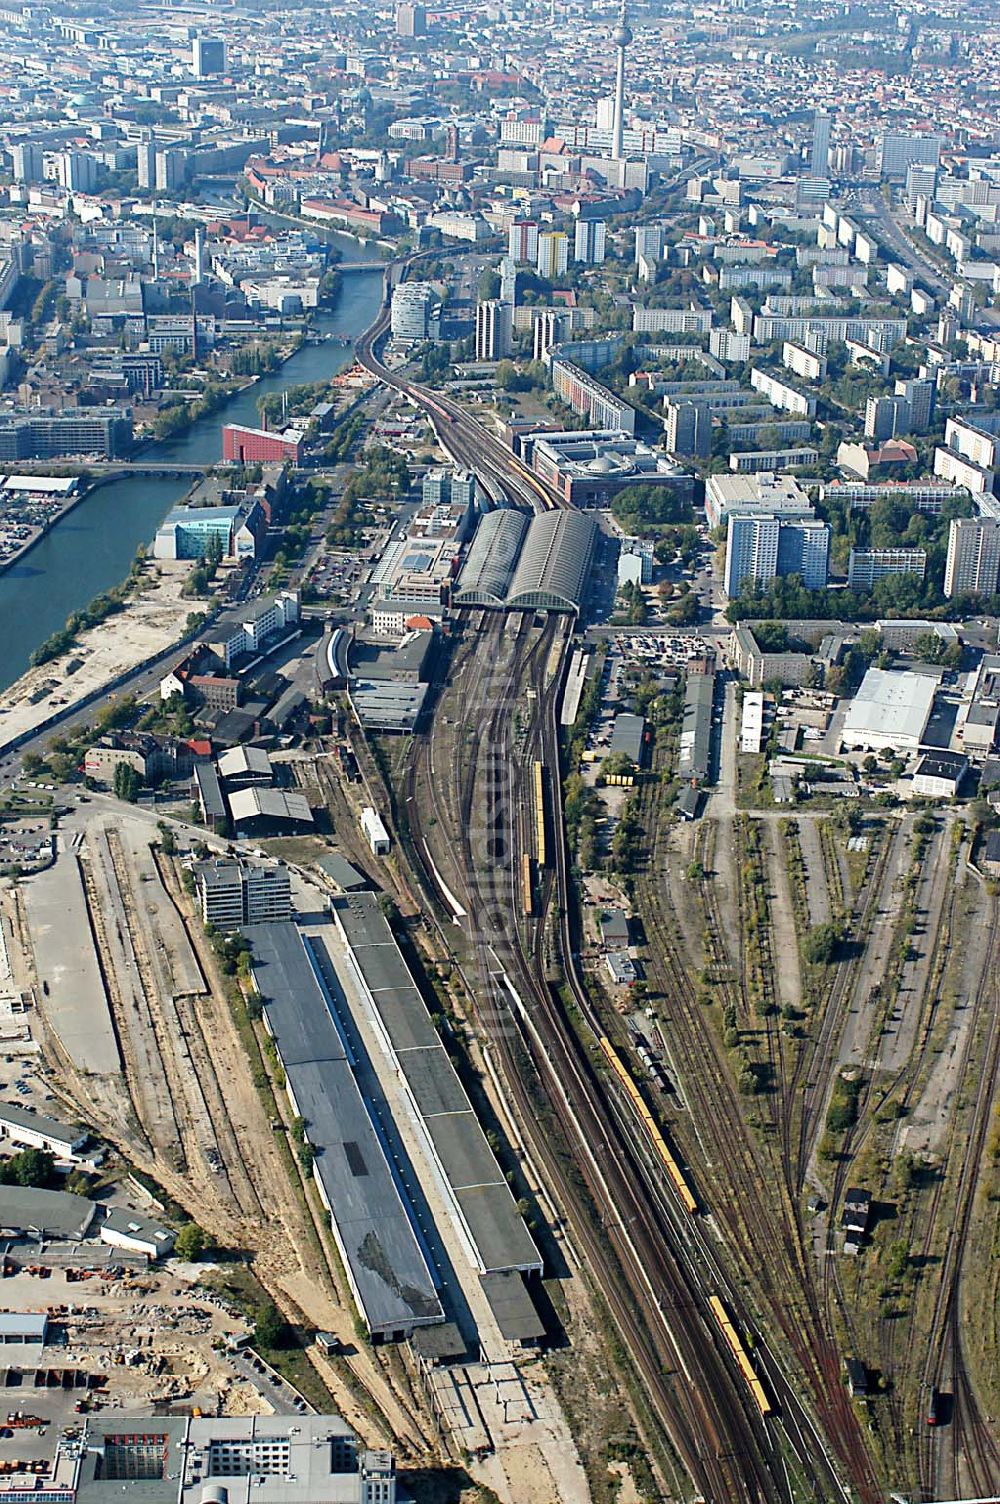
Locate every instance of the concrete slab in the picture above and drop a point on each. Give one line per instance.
(77, 1005)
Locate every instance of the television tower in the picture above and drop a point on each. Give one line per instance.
(621, 37)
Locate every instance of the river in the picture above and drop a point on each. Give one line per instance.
(93, 546)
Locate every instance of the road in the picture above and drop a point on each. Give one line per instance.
(902, 246)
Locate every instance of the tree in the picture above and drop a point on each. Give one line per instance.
(31, 1167)
(126, 782)
(820, 946)
(191, 1242)
(270, 1329)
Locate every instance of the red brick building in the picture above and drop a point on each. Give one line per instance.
(256, 446)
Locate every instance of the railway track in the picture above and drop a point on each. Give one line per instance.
(716, 1439)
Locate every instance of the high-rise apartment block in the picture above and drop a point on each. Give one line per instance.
(28, 162)
(553, 254)
(973, 564)
(411, 20)
(522, 240)
(760, 547)
(589, 241)
(688, 428)
(820, 150)
(493, 329)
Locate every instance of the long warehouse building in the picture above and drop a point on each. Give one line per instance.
(385, 1265)
(521, 564)
(484, 1207)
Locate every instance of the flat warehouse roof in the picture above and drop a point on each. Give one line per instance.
(891, 705)
(481, 1195)
(386, 1266)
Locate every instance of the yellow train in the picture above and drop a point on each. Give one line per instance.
(739, 1352)
(527, 887)
(539, 786)
(673, 1169)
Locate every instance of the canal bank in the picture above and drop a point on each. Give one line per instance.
(92, 547)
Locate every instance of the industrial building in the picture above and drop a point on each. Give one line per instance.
(477, 1192)
(940, 775)
(186, 1459)
(33, 1130)
(269, 812)
(694, 760)
(385, 1266)
(517, 564)
(890, 712)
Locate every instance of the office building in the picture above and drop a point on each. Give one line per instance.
(411, 19)
(589, 241)
(688, 428)
(765, 494)
(208, 56)
(522, 241)
(898, 150)
(106, 432)
(820, 151)
(589, 468)
(870, 564)
(493, 329)
(973, 563)
(257, 446)
(443, 487)
(553, 254)
(232, 893)
(28, 164)
(416, 312)
(761, 547)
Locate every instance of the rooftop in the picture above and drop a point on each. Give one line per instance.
(388, 1272)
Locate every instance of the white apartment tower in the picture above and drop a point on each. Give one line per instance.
(973, 564)
(493, 329)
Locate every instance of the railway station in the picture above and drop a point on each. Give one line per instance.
(521, 564)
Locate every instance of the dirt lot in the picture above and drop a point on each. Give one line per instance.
(145, 1339)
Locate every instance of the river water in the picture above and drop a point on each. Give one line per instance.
(92, 548)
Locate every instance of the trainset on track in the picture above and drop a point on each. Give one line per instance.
(735, 1344)
(538, 776)
(673, 1169)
